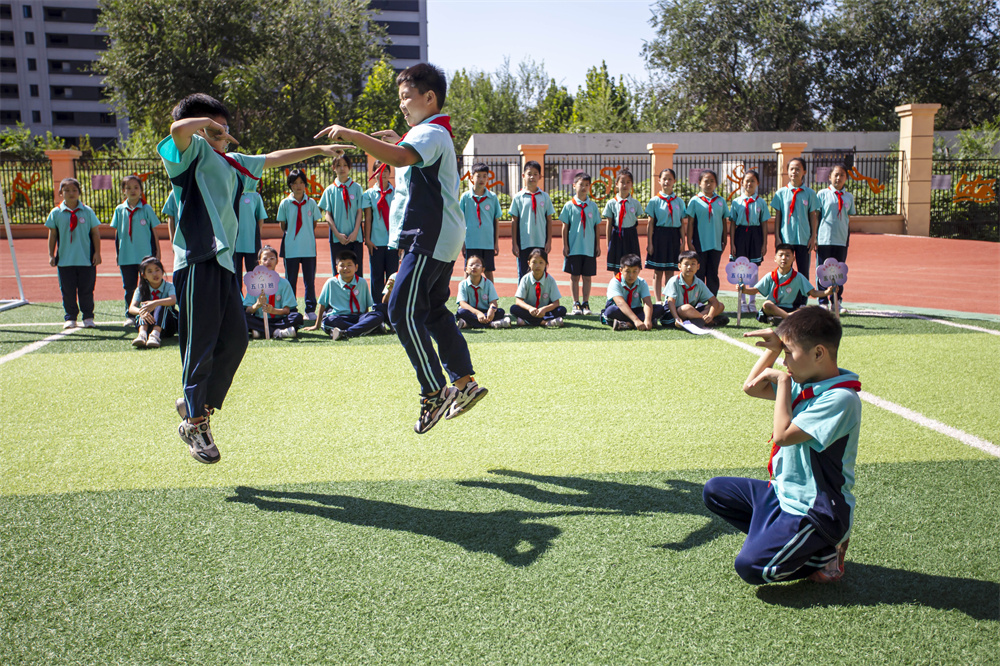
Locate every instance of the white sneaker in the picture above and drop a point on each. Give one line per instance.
(619, 325)
(140, 340)
(69, 323)
(502, 323)
(282, 333)
(335, 333)
(586, 309)
(577, 310)
(461, 323)
(466, 398)
(154, 340)
(310, 316)
(554, 323)
(256, 335)
(521, 322)
(129, 322)
(198, 437)
(433, 407)
(89, 323)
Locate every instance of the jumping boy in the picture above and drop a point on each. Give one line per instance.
(425, 222)
(580, 217)
(783, 288)
(684, 294)
(531, 215)
(482, 220)
(212, 328)
(798, 524)
(628, 298)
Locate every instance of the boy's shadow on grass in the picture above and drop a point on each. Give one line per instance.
(683, 497)
(507, 534)
(871, 585)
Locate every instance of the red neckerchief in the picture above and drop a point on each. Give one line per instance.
(73, 221)
(749, 201)
(443, 121)
(583, 213)
(354, 299)
(154, 294)
(840, 199)
(538, 291)
(791, 207)
(631, 292)
(670, 206)
(383, 205)
(687, 289)
(298, 214)
(621, 213)
(709, 202)
(131, 213)
(347, 197)
(479, 201)
(774, 279)
(475, 289)
(270, 299)
(534, 208)
(806, 394)
(236, 165)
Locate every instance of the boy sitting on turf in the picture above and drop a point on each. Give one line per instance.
(687, 297)
(784, 288)
(349, 302)
(798, 524)
(628, 298)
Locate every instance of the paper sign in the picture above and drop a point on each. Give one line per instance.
(741, 271)
(831, 272)
(693, 328)
(261, 280)
(101, 181)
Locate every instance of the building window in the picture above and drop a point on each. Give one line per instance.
(62, 118)
(72, 14)
(6, 38)
(400, 27)
(62, 92)
(33, 89)
(29, 38)
(36, 116)
(8, 65)
(5, 12)
(8, 91)
(408, 52)
(32, 64)
(10, 117)
(26, 11)
(395, 5)
(107, 119)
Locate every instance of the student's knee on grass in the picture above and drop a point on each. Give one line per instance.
(750, 568)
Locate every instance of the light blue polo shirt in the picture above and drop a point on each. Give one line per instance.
(141, 244)
(532, 225)
(251, 212)
(303, 243)
(332, 202)
(479, 228)
(206, 185)
(380, 227)
(666, 211)
(795, 230)
(283, 298)
(582, 236)
(74, 248)
(834, 224)
(786, 294)
(709, 228)
(166, 290)
(336, 296)
(633, 209)
(425, 217)
(811, 477)
(526, 290)
(617, 287)
(467, 292)
(759, 211)
(697, 292)
(170, 207)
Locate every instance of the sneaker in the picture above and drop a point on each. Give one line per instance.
(310, 316)
(554, 323)
(774, 321)
(577, 310)
(501, 323)
(834, 569)
(69, 323)
(129, 322)
(433, 407)
(140, 340)
(282, 333)
(386, 327)
(461, 324)
(721, 320)
(466, 398)
(335, 333)
(256, 335)
(586, 309)
(521, 322)
(761, 317)
(198, 437)
(154, 340)
(89, 323)
(619, 325)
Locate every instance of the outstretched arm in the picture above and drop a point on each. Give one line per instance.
(281, 158)
(375, 144)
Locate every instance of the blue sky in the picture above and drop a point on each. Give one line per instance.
(568, 36)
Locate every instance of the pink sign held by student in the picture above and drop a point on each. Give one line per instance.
(832, 272)
(741, 272)
(262, 281)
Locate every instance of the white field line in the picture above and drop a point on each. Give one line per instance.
(59, 323)
(899, 410)
(34, 346)
(906, 315)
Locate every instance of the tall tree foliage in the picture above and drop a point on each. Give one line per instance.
(603, 105)
(378, 105)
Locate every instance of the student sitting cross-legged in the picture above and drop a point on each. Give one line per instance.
(281, 308)
(347, 303)
(629, 303)
(537, 296)
(478, 302)
(687, 297)
(784, 288)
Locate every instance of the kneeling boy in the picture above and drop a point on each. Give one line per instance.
(784, 288)
(628, 298)
(349, 303)
(798, 524)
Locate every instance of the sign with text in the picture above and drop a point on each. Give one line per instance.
(261, 280)
(831, 272)
(741, 271)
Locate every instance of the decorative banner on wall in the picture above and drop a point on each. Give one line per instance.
(21, 187)
(978, 190)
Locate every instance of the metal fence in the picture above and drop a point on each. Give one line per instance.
(27, 188)
(603, 168)
(273, 185)
(504, 178)
(100, 180)
(965, 199)
(729, 168)
(873, 177)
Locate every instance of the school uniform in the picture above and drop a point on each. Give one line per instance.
(792, 208)
(532, 211)
(834, 233)
(283, 298)
(349, 307)
(134, 241)
(478, 296)
(426, 222)
(749, 215)
(75, 258)
(624, 237)
(795, 522)
(787, 291)
(384, 260)
(482, 214)
(211, 327)
(665, 213)
(582, 218)
(343, 201)
(163, 316)
(634, 295)
(298, 245)
(538, 294)
(249, 211)
(708, 222)
(696, 294)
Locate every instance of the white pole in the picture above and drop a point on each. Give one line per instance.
(10, 240)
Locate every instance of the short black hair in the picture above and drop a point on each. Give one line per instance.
(479, 167)
(625, 173)
(532, 164)
(702, 175)
(784, 246)
(347, 255)
(752, 172)
(583, 175)
(296, 174)
(199, 105)
(345, 157)
(689, 254)
(539, 252)
(796, 159)
(671, 171)
(425, 76)
(266, 248)
(631, 260)
(811, 326)
(127, 179)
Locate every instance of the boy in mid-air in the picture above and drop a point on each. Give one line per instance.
(798, 524)
(784, 289)
(427, 224)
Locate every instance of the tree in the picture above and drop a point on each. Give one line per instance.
(378, 105)
(555, 110)
(603, 105)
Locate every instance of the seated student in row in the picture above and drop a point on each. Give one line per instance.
(666, 231)
(537, 296)
(133, 222)
(747, 227)
(281, 308)
(478, 302)
(689, 298)
(375, 205)
(482, 219)
(622, 214)
(580, 217)
(348, 302)
(784, 288)
(298, 215)
(834, 233)
(531, 214)
(629, 302)
(153, 305)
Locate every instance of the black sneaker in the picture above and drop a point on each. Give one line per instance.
(466, 398)
(433, 407)
(761, 317)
